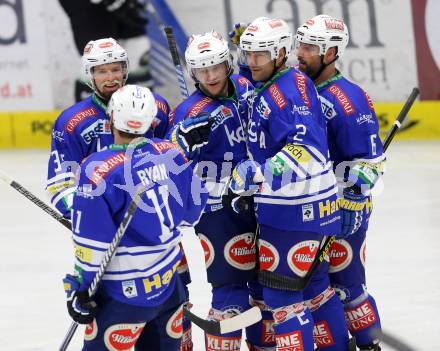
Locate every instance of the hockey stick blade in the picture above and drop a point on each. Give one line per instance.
(238, 322)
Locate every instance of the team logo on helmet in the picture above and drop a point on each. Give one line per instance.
(122, 337)
(341, 255)
(203, 45)
(275, 23)
(91, 331)
(268, 256)
(240, 251)
(208, 249)
(252, 28)
(300, 257)
(134, 124)
(175, 324)
(88, 48)
(310, 22)
(105, 45)
(334, 23)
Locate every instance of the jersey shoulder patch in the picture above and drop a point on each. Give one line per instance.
(342, 98)
(301, 84)
(199, 105)
(106, 166)
(78, 117)
(277, 96)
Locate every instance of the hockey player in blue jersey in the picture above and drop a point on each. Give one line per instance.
(356, 152)
(296, 204)
(84, 127)
(215, 117)
(139, 301)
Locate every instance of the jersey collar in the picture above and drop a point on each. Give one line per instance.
(335, 78)
(99, 102)
(260, 87)
(138, 142)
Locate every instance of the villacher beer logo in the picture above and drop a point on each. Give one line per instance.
(91, 331)
(300, 257)
(175, 324)
(208, 249)
(341, 255)
(268, 256)
(240, 251)
(122, 337)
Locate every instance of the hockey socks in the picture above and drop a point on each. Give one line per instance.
(293, 322)
(363, 321)
(261, 336)
(330, 331)
(227, 302)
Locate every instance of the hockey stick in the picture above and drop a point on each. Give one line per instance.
(176, 60)
(401, 117)
(282, 282)
(22, 190)
(240, 321)
(106, 260)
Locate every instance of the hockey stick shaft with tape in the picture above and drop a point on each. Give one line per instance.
(401, 117)
(176, 61)
(26, 193)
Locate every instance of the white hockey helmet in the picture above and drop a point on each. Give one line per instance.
(101, 52)
(266, 34)
(207, 50)
(132, 109)
(325, 32)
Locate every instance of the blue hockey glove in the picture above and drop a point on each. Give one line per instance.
(81, 307)
(351, 205)
(236, 32)
(192, 133)
(246, 178)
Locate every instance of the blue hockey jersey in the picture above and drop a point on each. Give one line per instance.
(215, 161)
(353, 131)
(79, 131)
(142, 270)
(287, 133)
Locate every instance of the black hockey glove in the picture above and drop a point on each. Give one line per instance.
(238, 204)
(132, 12)
(81, 307)
(192, 133)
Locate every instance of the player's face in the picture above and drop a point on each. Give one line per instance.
(260, 64)
(108, 78)
(309, 60)
(214, 79)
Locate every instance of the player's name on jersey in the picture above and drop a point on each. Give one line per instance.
(154, 174)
